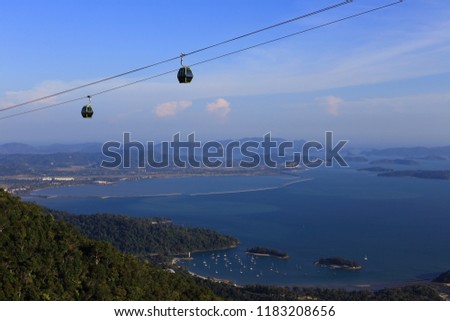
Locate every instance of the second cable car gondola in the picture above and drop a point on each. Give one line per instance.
(87, 111)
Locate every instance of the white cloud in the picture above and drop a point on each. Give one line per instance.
(171, 108)
(220, 108)
(334, 103)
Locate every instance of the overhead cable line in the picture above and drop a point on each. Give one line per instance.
(295, 33)
(208, 60)
(271, 27)
(176, 58)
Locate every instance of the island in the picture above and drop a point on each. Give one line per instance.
(434, 158)
(424, 174)
(406, 162)
(263, 251)
(356, 159)
(338, 263)
(376, 169)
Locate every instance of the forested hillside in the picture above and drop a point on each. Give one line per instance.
(146, 236)
(43, 259)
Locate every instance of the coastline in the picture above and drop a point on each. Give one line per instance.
(35, 184)
(175, 259)
(376, 286)
(251, 190)
(238, 191)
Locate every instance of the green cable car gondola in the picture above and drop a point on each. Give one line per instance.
(185, 75)
(87, 111)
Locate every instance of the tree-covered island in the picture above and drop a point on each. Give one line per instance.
(263, 251)
(338, 263)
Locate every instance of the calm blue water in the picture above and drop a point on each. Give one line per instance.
(401, 224)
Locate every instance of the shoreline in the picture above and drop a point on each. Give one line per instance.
(374, 286)
(175, 259)
(174, 194)
(84, 181)
(251, 190)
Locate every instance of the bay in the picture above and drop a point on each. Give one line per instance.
(402, 225)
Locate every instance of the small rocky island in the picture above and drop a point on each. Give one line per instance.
(338, 263)
(263, 251)
(376, 169)
(406, 162)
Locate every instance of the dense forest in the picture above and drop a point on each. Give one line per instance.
(42, 258)
(146, 236)
(275, 293)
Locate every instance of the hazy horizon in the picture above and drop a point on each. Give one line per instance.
(349, 146)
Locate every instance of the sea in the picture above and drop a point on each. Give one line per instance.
(398, 229)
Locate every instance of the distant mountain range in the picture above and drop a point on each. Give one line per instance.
(410, 152)
(19, 148)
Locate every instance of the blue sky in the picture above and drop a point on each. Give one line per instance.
(382, 79)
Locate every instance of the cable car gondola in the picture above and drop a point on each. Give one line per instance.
(185, 74)
(87, 111)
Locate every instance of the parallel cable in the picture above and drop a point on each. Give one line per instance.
(296, 33)
(208, 60)
(175, 58)
(88, 84)
(271, 27)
